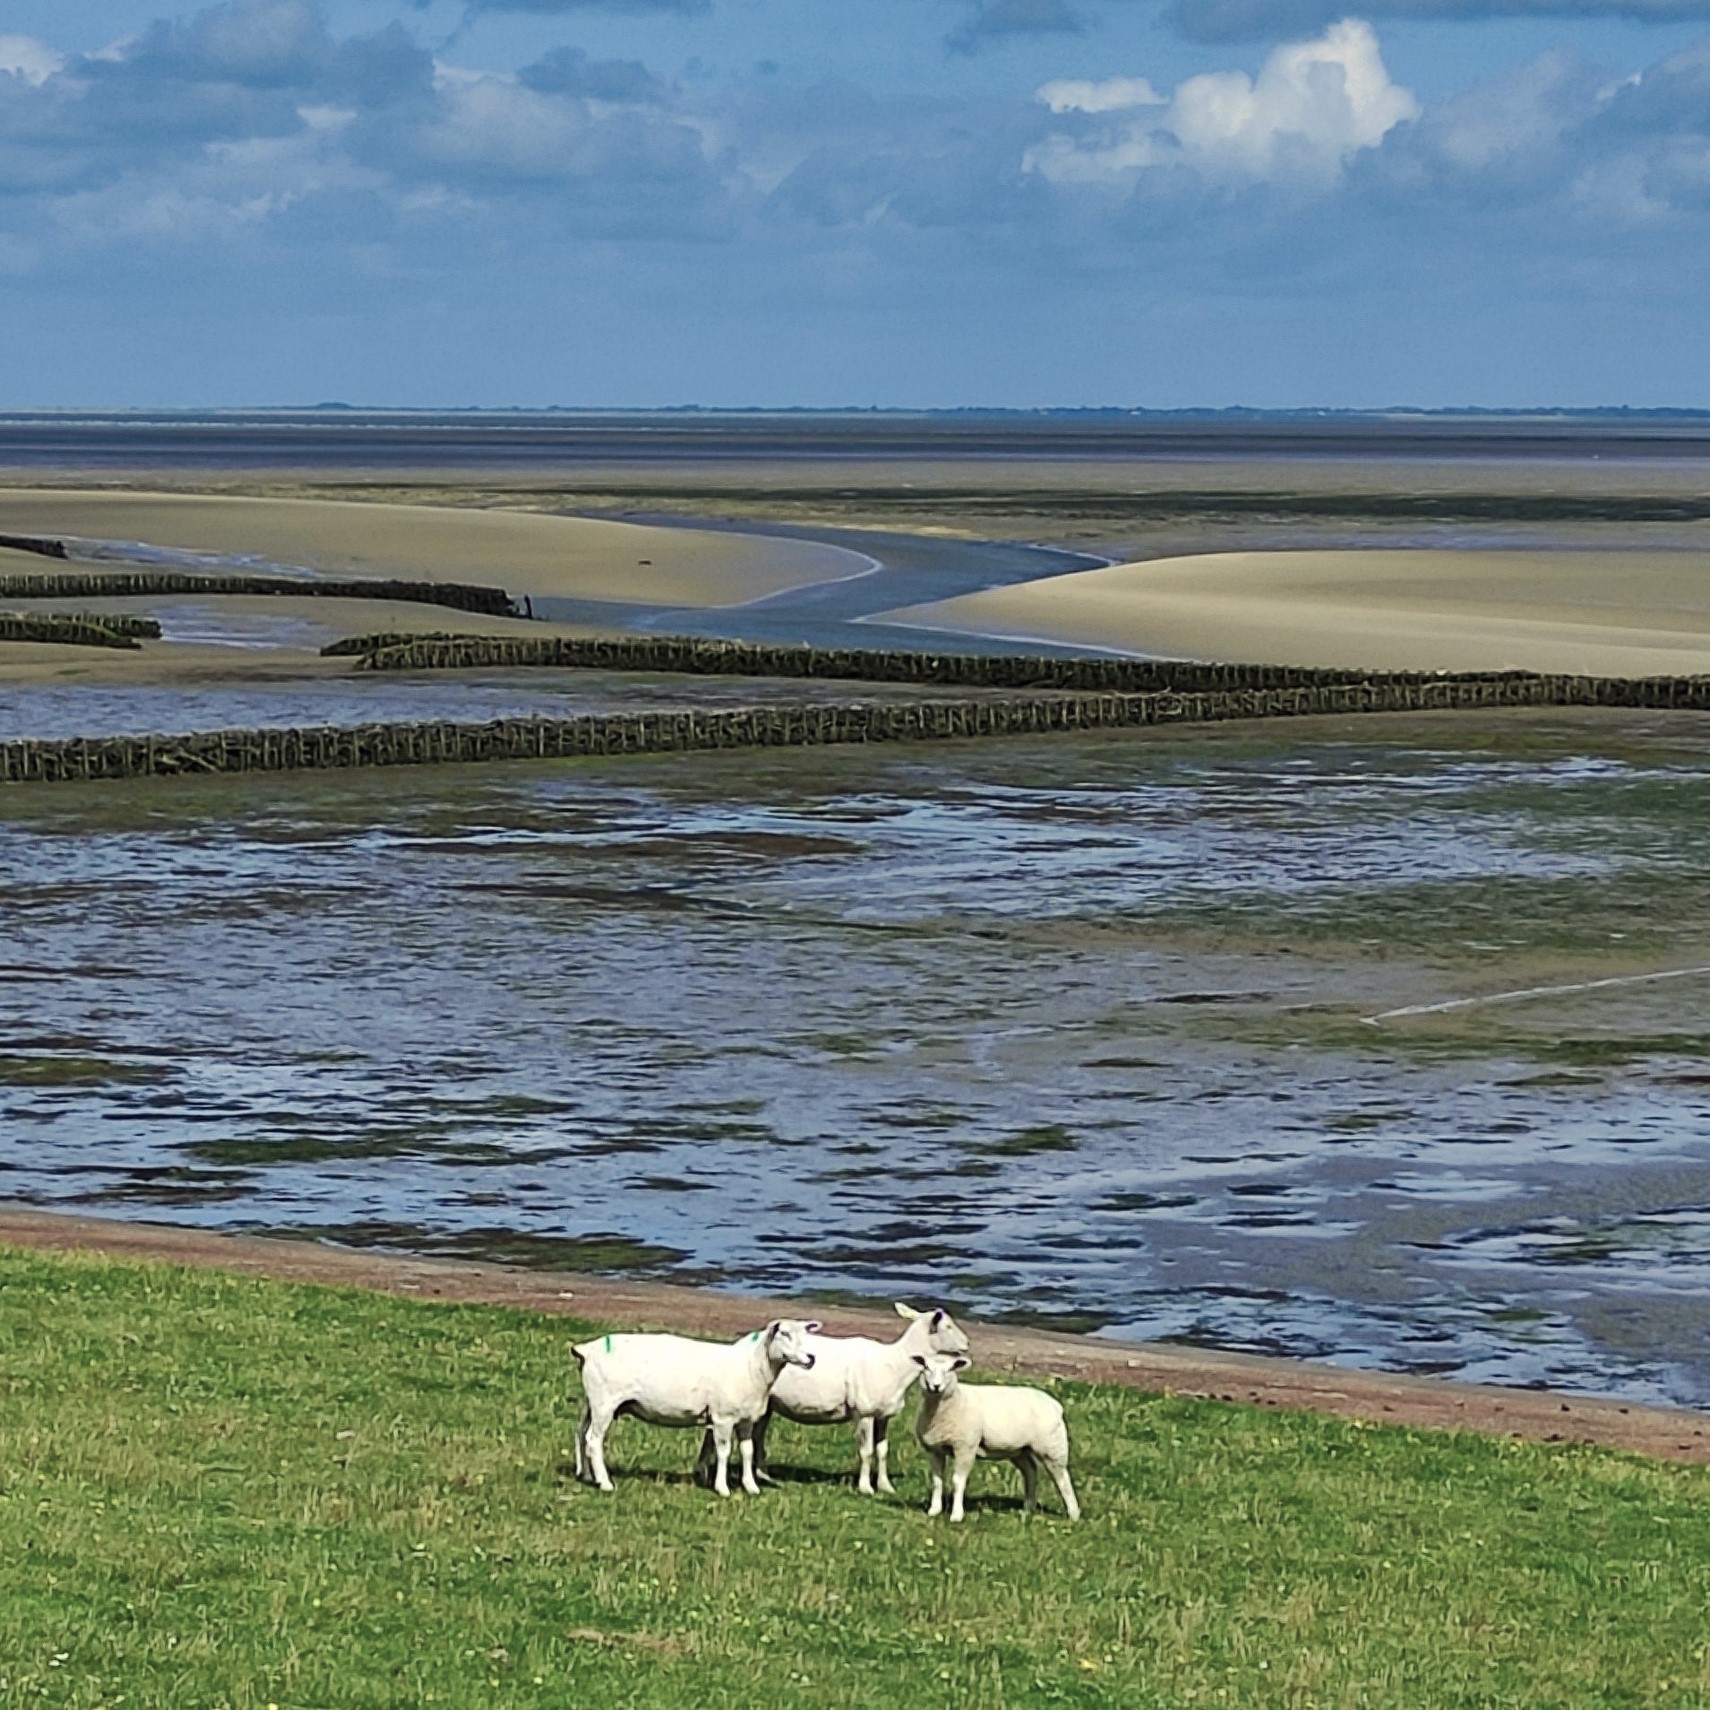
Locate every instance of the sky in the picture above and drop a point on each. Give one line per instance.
(898, 203)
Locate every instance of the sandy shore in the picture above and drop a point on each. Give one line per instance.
(1538, 1415)
(524, 552)
(1608, 613)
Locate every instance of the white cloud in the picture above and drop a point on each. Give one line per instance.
(25, 57)
(1113, 95)
(1312, 106)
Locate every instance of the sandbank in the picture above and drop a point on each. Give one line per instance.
(524, 552)
(1608, 613)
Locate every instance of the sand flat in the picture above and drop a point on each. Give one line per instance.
(525, 552)
(1609, 613)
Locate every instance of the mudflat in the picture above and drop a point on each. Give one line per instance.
(1607, 613)
(525, 552)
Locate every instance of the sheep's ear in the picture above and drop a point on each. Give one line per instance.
(960, 1363)
(773, 1328)
(905, 1311)
(812, 1327)
(938, 1318)
(920, 1360)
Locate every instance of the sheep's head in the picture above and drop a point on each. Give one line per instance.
(938, 1371)
(937, 1330)
(787, 1341)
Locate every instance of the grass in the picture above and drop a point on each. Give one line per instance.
(217, 1491)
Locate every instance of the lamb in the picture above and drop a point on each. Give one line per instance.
(861, 1381)
(965, 1420)
(676, 1380)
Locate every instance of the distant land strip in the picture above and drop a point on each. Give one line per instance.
(117, 584)
(1155, 506)
(679, 730)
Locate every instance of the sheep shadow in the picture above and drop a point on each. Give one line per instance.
(566, 1473)
(782, 1475)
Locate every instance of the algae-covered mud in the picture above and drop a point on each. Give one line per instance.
(1387, 1042)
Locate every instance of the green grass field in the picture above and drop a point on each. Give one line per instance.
(222, 1492)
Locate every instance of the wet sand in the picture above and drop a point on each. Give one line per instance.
(525, 552)
(1536, 1415)
(1607, 613)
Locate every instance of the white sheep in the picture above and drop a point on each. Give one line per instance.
(676, 1380)
(1008, 1423)
(856, 1380)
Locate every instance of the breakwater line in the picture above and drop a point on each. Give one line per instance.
(121, 584)
(700, 656)
(78, 629)
(34, 543)
(680, 730)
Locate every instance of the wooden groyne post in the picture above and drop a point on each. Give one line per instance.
(678, 730)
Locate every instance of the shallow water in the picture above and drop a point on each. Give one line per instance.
(1074, 1030)
(139, 709)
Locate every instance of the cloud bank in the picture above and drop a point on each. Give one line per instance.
(1312, 106)
(255, 145)
(1249, 20)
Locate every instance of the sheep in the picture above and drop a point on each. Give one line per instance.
(857, 1380)
(676, 1380)
(1009, 1423)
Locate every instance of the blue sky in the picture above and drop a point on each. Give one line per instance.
(891, 202)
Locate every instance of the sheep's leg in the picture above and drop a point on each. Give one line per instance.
(1029, 1481)
(864, 1444)
(582, 1445)
(745, 1441)
(1059, 1471)
(760, 1426)
(704, 1461)
(959, 1481)
(936, 1506)
(882, 1442)
(721, 1456)
(599, 1423)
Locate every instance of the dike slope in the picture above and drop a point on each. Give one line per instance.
(1433, 1403)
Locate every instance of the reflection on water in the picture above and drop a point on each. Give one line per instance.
(1071, 1030)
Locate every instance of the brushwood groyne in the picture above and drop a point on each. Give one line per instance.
(698, 656)
(78, 629)
(678, 730)
(34, 543)
(124, 584)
